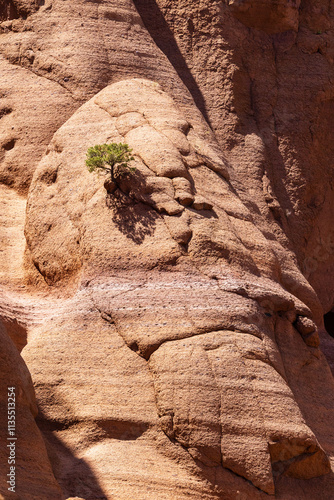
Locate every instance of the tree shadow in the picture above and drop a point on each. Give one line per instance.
(133, 219)
(163, 37)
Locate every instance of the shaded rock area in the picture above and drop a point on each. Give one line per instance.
(270, 16)
(166, 333)
(26, 450)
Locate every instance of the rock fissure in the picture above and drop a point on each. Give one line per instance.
(43, 75)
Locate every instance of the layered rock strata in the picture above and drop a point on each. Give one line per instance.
(169, 326)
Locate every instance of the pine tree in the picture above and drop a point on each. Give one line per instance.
(113, 158)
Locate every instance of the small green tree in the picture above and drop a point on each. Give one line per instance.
(113, 158)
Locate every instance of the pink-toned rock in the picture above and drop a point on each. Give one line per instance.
(308, 330)
(179, 228)
(110, 185)
(23, 449)
(305, 325)
(271, 16)
(183, 191)
(200, 203)
(174, 350)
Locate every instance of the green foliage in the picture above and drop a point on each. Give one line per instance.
(108, 156)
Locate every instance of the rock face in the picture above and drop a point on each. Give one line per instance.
(270, 16)
(172, 322)
(163, 144)
(23, 445)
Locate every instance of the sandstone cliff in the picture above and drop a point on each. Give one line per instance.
(166, 340)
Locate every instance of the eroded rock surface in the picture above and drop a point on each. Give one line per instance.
(171, 323)
(25, 449)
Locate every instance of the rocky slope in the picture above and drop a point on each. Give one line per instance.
(171, 332)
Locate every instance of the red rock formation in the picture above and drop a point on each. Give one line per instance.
(171, 327)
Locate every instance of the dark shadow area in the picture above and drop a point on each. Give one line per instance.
(123, 430)
(8, 11)
(114, 429)
(206, 214)
(317, 487)
(163, 37)
(134, 210)
(73, 474)
(9, 144)
(5, 111)
(16, 332)
(132, 218)
(329, 323)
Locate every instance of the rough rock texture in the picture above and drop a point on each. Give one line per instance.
(172, 324)
(268, 94)
(26, 448)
